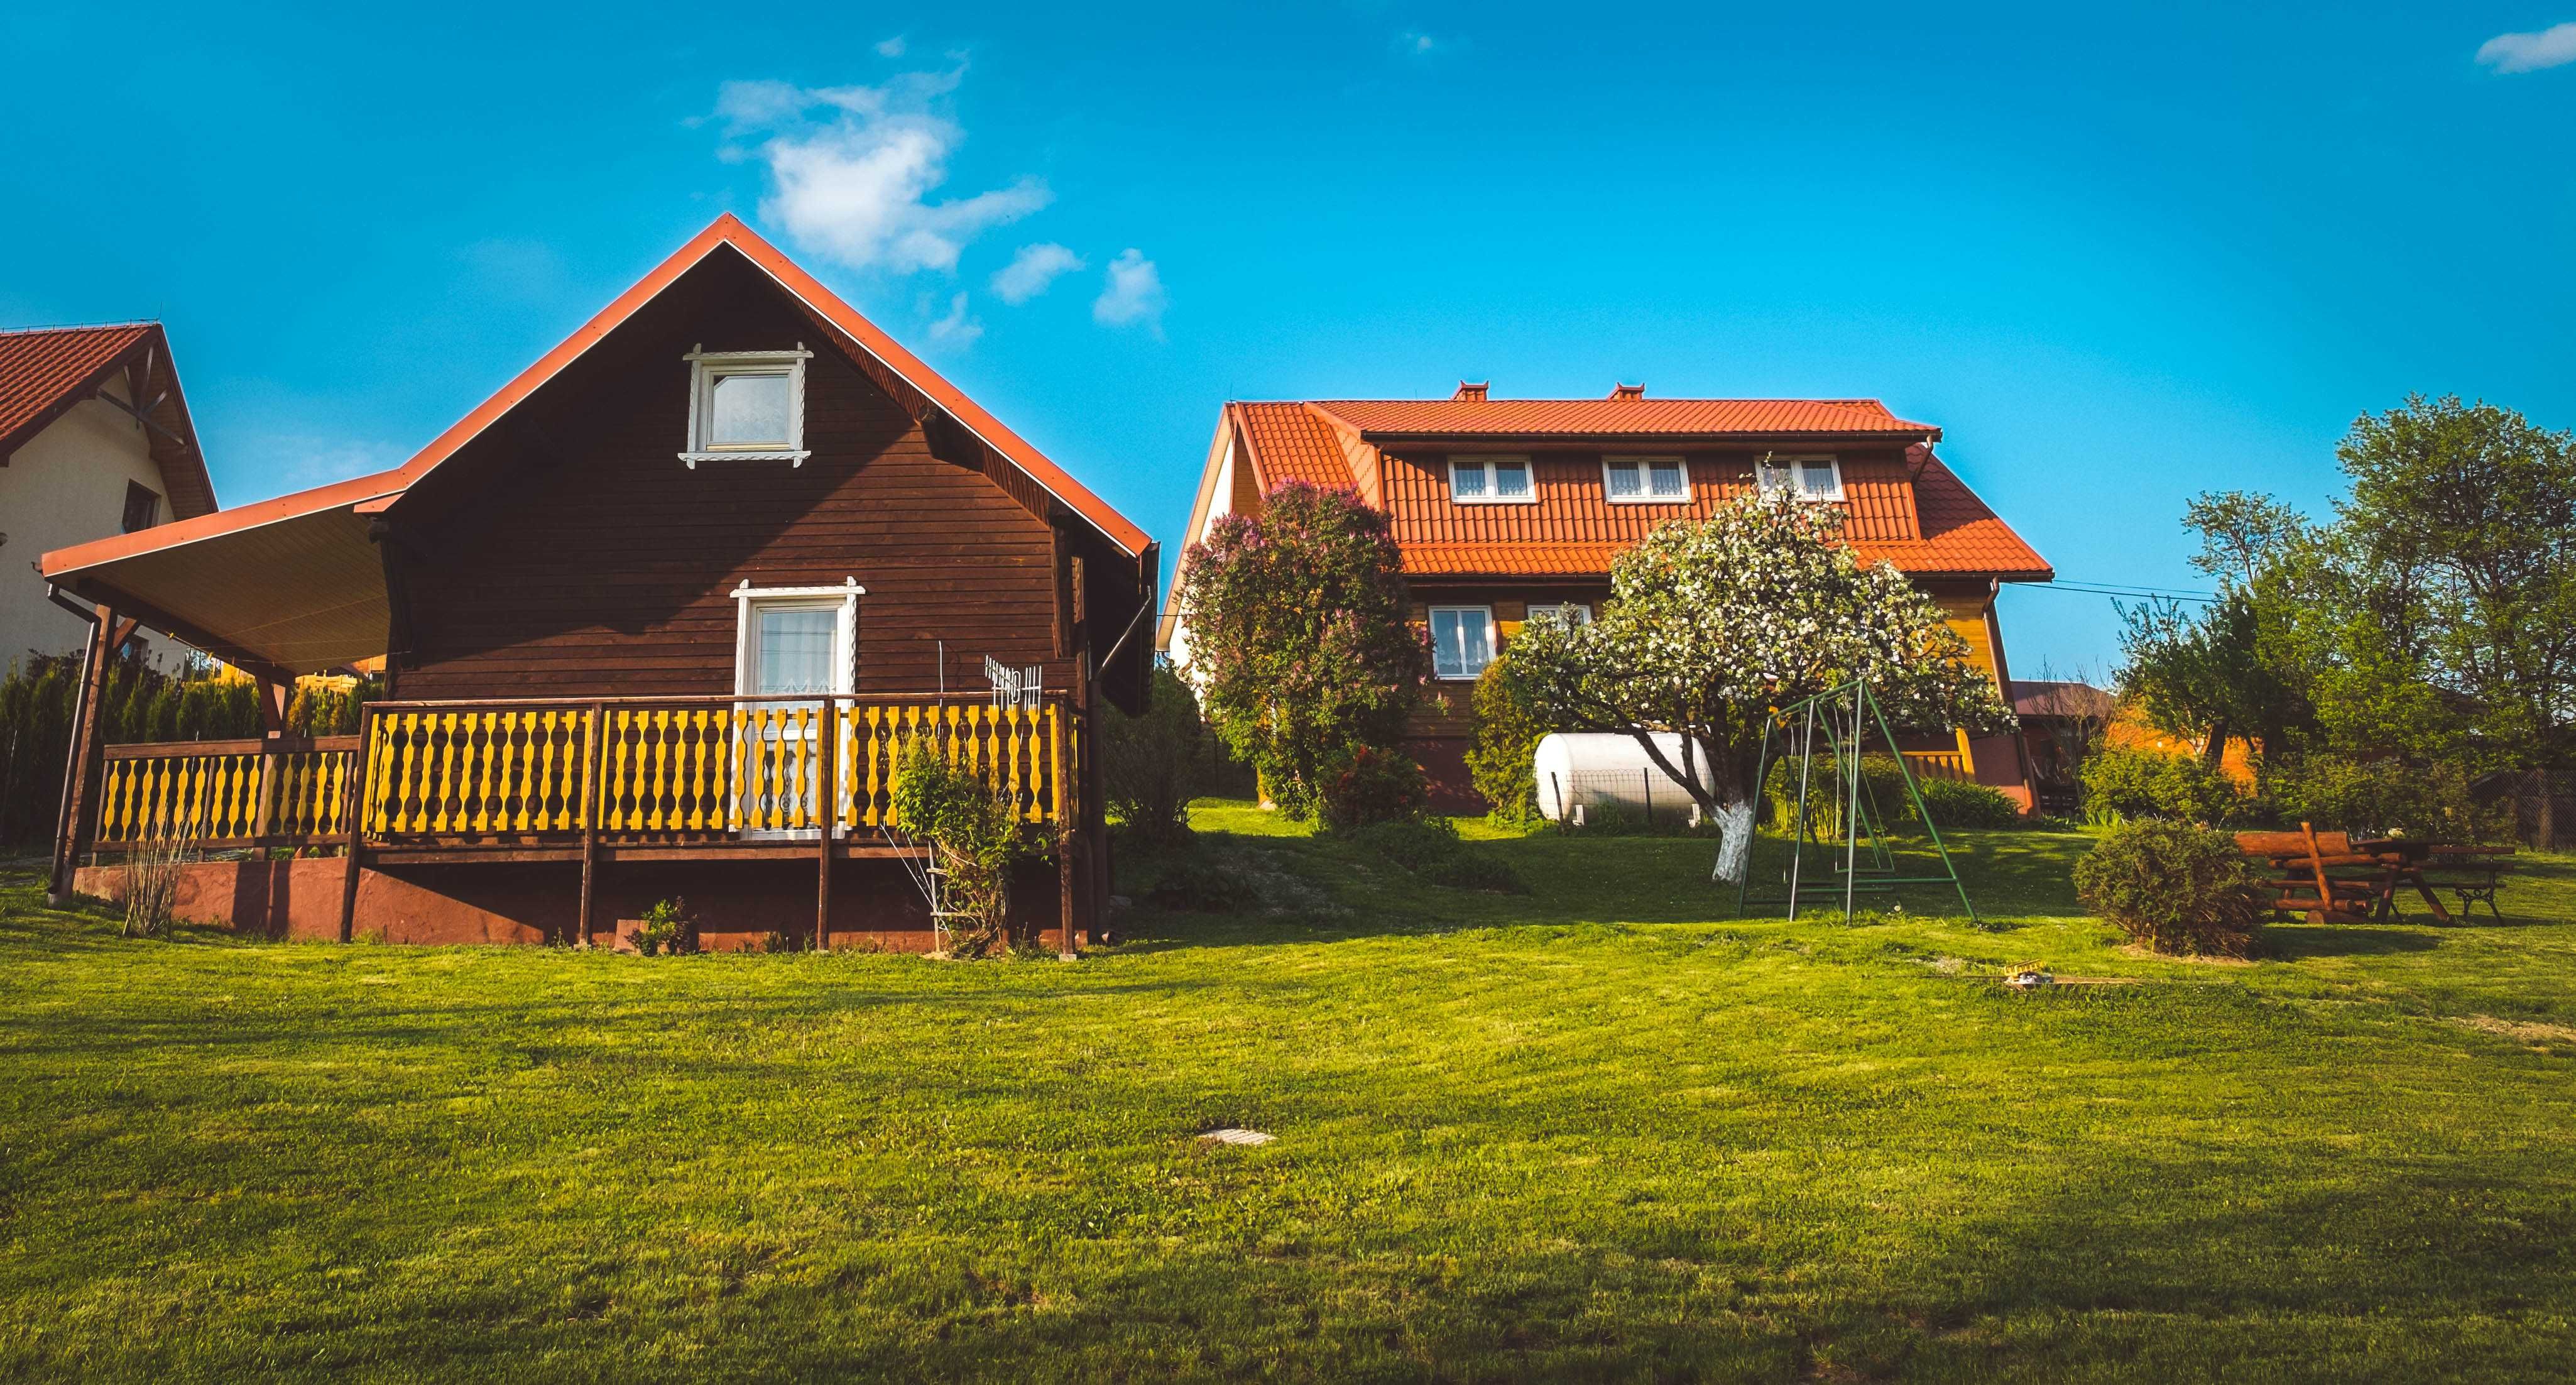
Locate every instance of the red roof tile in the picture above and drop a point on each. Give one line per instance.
(1941, 529)
(1605, 418)
(39, 367)
(44, 371)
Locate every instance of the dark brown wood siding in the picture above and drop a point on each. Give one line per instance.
(580, 557)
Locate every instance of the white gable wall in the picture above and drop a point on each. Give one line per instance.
(67, 486)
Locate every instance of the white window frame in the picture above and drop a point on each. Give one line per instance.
(705, 367)
(1536, 609)
(749, 602)
(1644, 463)
(1493, 646)
(1484, 462)
(1795, 465)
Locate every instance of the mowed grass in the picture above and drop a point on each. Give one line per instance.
(1601, 1130)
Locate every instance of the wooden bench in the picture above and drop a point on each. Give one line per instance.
(2318, 875)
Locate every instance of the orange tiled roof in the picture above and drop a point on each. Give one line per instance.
(1949, 532)
(44, 371)
(39, 367)
(1449, 418)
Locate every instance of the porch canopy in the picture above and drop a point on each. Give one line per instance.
(284, 587)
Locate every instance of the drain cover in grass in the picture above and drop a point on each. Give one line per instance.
(1232, 1135)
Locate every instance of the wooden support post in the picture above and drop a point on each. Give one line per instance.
(272, 730)
(594, 749)
(356, 807)
(70, 829)
(827, 812)
(1065, 892)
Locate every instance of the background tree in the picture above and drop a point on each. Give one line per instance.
(1301, 647)
(1711, 624)
(1151, 765)
(2461, 532)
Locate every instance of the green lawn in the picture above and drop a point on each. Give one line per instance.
(1602, 1130)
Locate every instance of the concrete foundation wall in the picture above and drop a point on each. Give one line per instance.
(738, 904)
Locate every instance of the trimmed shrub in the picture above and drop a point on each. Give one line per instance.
(2121, 784)
(2175, 888)
(1957, 803)
(974, 831)
(1508, 730)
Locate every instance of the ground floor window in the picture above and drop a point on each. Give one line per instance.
(1462, 640)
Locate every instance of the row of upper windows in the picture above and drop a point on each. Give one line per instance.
(1462, 637)
(1637, 480)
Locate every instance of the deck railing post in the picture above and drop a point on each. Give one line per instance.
(594, 748)
(72, 829)
(355, 806)
(827, 812)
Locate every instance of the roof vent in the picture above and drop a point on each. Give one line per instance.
(1627, 391)
(1474, 392)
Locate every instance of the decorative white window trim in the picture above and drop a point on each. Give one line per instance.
(1792, 471)
(704, 368)
(1487, 467)
(748, 600)
(1645, 469)
(1483, 613)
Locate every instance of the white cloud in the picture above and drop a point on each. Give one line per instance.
(890, 48)
(957, 329)
(1133, 293)
(1415, 41)
(1031, 270)
(855, 184)
(2551, 47)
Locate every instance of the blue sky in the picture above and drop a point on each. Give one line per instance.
(2119, 255)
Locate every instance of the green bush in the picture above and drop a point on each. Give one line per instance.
(1412, 845)
(1957, 803)
(1508, 730)
(667, 929)
(974, 833)
(2384, 797)
(2123, 784)
(1152, 765)
(2174, 888)
(1365, 784)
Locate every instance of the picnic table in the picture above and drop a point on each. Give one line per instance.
(2474, 873)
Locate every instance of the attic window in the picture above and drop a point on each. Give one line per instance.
(747, 406)
(142, 507)
(1490, 480)
(1806, 478)
(1645, 480)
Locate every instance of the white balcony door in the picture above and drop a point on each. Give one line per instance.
(793, 643)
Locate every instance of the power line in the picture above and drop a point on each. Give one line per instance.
(2134, 593)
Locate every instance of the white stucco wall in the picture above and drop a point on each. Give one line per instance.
(67, 486)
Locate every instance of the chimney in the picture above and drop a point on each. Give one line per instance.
(1627, 391)
(1474, 393)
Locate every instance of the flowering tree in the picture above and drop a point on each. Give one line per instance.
(1300, 647)
(1712, 624)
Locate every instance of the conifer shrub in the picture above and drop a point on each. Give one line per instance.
(2175, 888)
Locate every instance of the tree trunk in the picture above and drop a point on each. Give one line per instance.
(2542, 834)
(2213, 752)
(1734, 840)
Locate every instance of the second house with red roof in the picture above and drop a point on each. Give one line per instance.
(1505, 506)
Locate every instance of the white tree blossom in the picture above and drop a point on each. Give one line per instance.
(1712, 625)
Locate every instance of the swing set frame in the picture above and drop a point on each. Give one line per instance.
(1845, 715)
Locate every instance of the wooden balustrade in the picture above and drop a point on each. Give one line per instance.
(528, 772)
(225, 793)
(1939, 764)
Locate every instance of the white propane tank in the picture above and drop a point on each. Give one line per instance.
(1608, 769)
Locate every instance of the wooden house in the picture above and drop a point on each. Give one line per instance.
(1502, 507)
(725, 546)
